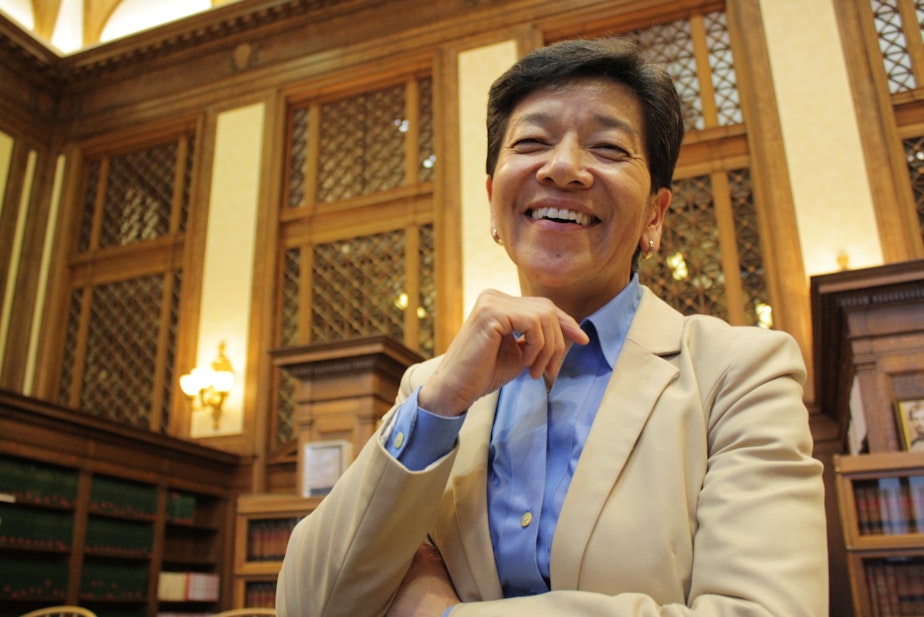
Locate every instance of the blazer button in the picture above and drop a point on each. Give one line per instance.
(526, 519)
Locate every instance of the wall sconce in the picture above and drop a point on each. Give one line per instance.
(208, 387)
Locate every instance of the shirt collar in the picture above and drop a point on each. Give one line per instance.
(611, 321)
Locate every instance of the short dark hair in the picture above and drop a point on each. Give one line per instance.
(616, 59)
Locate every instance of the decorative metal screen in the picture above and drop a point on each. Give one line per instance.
(688, 273)
(138, 196)
(356, 286)
(120, 357)
(120, 337)
(673, 46)
(346, 153)
(914, 155)
(896, 36)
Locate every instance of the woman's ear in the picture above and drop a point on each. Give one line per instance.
(660, 202)
(489, 187)
(651, 236)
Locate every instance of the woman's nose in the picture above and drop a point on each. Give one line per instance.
(566, 166)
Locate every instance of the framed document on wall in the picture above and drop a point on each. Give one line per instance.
(322, 463)
(911, 424)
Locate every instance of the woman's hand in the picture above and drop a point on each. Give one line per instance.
(426, 590)
(502, 336)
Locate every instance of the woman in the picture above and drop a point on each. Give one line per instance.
(582, 449)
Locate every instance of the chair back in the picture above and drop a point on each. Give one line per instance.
(61, 610)
(247, 612)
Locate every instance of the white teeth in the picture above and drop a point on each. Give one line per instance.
(561, 214)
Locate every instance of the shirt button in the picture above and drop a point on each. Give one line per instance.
(399, 440)
(526, 519)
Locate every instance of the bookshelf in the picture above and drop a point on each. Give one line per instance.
(882, 510)
(125, 522)
(264, 523)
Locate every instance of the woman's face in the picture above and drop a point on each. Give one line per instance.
(571, 194)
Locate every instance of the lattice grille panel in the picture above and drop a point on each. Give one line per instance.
(187, 183)
(298, 157)
(291, 272)
(671, 45)
(287, 389)
(362, 144)
(89, 206)
(121, 350)
(687, 272)
(893, 45)
(139, 196)
(285, 407)
(722, 69)
(427, 290)
(68, 359)
(914, 155)
(170, 352)
(750, 256)
(355, 285)
(425, 153)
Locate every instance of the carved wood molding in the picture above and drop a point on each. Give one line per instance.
(834, 297)
(217, 24)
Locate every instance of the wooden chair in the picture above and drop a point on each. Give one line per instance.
(247, 612)
(61, 610)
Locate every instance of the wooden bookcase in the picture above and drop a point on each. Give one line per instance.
(882, 510)
(264, 523)
(102, 515)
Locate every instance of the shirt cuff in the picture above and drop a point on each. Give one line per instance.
(418, 437)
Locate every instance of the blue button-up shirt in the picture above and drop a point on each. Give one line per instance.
(537, 438)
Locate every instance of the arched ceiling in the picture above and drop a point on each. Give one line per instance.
(71, 25)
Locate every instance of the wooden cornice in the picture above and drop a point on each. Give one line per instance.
(38, 59)
(199, 30)
(20, 50)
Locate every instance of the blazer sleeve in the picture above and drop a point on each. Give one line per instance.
(348, 557)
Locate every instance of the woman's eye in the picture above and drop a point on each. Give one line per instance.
(528, 144)
(612, 150)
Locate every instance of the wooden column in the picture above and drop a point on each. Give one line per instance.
(344, 387)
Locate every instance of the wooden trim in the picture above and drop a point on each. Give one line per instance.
(258, 404)
(893, 201)
(782, 253)
(731, 266)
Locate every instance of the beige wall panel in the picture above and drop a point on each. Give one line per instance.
(229, 257)
(831, 193)
(484, 264)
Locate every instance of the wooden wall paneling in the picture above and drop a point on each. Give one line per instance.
(883, 153)
(344, 388)
(26, 284)
(447, 239)
(258, 404)
(782, 254)
(49, 356)
(11, 207)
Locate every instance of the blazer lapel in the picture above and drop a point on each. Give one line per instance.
(468, 503)
(639, 377)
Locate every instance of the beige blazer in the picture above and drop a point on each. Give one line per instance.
(695, 494)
